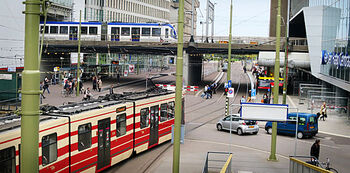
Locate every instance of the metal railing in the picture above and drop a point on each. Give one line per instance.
(218, 162)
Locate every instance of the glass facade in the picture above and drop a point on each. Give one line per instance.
(335, 60)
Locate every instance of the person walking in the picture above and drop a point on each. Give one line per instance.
(315, 149)
(46, 85)
(41, 88)
(99, 85)
(323, 111)
(111, 90)
(265, 98)
(94, 83)
(244, 69)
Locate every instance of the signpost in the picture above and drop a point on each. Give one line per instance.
(229, 83)
(253, 93)
(231, 92)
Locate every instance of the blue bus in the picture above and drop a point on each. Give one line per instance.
(308, 125)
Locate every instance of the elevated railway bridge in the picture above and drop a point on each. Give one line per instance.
(193, 52)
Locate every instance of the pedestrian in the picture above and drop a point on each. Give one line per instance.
(111, 90)
(46, 85)
(99, 84)
(249, 99)
(205, 90)
(94, 83)
(323, 111)
(210, 92)
(118, 78)
(244, 69)
(243, 100)
(315, 149)
(265, 98)
(41, 88)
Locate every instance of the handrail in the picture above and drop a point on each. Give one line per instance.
(228, 162)
(310, 166)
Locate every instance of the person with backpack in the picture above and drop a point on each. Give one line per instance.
(46, 85)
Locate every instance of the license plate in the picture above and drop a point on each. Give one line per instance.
(251, 126)
(312, 127)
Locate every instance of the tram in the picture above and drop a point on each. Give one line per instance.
(91, 136)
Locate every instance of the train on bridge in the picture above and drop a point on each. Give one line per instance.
(91, 136)
(98, 31)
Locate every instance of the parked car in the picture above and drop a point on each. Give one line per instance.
(308, 125)
(238, 125)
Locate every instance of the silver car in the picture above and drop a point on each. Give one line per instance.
(238, 125)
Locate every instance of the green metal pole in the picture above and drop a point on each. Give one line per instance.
(30, 89)
(78, 65)
(178, 91)
(276, 82)
(285, 72)
(229, 60)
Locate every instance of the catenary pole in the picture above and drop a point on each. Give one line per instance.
(178, 92)
(229, 60)
(276, 81)
(30, 89)
(78, 65)
(285, 71)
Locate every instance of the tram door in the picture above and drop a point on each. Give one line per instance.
(153, 136)
(104, 147)
(73, 33)
(135, 34)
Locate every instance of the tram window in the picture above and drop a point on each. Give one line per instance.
(146, 31)
(63, 29)
(49, 149)
(46, 29)
(163, 112)
(93, 30)
(155, 32)
(125, 31)
(144, 118)
(53, 29)
(171, 110)
(115, 30)
(166, 33)
(121, 124)
(8, 160)
(84, 136)
(84, 30)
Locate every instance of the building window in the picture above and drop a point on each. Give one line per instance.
(49, 148)
(8, 160)
(84, 136)
(121, 125)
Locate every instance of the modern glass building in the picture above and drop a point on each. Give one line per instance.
(326, 26)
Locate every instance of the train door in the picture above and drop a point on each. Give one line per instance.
(153, 136)
(73, 33)
(104, 143)
(135, 34)
(115, 33)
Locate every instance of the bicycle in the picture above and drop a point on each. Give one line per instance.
(325, 165)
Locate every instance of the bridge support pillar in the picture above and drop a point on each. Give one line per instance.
(192, 68)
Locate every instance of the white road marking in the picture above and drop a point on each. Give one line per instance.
(328, 133)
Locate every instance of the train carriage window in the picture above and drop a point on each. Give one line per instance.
(171, 110)
(84, 136)
(46, 29)
(125, 31)
(144, 118)
(49, 149)
(155, 32)
(8, 160)
(166, 33)
(121, 124)
(63, 29)
(163, 112)
(146, 31)
(53, 29)
(115, 30)
(92, 30)
(84, 30)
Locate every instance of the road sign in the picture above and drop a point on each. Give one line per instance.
(231, 92)
(253, 94)
(229, 83)
(126, 73)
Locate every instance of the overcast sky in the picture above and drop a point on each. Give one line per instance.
(250, 17)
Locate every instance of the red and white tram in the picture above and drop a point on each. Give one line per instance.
(92, 136)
